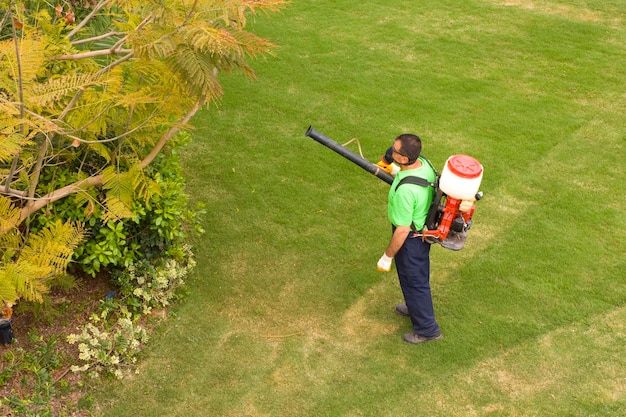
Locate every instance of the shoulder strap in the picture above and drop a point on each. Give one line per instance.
(424, 183)
(431, 165)
(415, 180)
(419, 180)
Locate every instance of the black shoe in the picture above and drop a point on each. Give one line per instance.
(415, 338)
(402, 310)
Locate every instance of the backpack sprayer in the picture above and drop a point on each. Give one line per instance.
(456, 189)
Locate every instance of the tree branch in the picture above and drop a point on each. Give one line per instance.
(123, 59)
(13, 193)
(96, 180)
(168, 135)
(91, 54)
(96, 38)
(34, 177)
(192, 9)
(86, 20)
(118, 137)
(4, 20)
(56, 195)
(11, 172)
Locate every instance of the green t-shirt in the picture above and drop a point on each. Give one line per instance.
(410, 202)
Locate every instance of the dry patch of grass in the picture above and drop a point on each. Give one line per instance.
(569, 11)
(358, 323)
(583, 361)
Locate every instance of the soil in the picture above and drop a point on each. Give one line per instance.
(63, 313)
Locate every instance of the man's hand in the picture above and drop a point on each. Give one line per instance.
(384, 263)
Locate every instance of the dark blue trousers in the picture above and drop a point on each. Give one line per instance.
(413, 266)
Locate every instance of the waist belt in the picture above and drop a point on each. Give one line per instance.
(412, 234)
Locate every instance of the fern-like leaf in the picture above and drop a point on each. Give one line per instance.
(8, 292)
(28, 280)
(101, 150)
(196, 68)
(10, 245)
(52, 248)
(122, 188)
(116, 210)
(43, 94)
(205, 37)
(120, 185)
(11, 140)
(32, 60)
(45, 254)
(9, 215)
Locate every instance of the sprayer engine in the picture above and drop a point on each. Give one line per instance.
(452, 220)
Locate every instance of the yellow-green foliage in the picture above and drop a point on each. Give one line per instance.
(45, 254)
(100, 93)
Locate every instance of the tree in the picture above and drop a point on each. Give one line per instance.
(95, 90)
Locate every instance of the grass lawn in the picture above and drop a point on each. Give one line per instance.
(287, 314)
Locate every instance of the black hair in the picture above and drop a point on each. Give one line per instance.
(411, 146)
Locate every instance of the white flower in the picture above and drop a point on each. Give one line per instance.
(84, 356)
(76, 368)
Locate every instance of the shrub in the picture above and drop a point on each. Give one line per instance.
(145, 286)
(153, 231)
(110, 346)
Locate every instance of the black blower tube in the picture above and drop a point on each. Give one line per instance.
(351, 156)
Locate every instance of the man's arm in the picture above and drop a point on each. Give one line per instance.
(397, 240)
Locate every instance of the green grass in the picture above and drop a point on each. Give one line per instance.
(287, 314)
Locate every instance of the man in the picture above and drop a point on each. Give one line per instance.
(407, 211)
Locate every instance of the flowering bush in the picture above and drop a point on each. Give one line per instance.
(110, 348)
(145, 286)
(108, 351)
